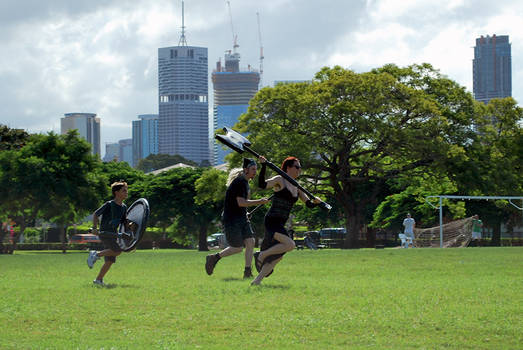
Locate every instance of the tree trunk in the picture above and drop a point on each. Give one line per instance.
(496, 235)
(202, 238)
(371, 237)
(353, 224)
(61, 228)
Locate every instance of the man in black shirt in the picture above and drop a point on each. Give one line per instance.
(238, 230)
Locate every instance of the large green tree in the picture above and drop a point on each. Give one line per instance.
(171, 195)
(52, 177)
(493, 166)
(356, 131)
(10, 140)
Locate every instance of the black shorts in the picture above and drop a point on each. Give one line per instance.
(237, 230)
(273, 225)
(110, 243)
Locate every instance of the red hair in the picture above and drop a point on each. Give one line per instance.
(289, 161)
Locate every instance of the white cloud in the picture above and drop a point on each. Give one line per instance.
(60, 56)
(439, 33)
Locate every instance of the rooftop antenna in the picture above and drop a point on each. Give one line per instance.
(182, 41)
(234, 36)
(261, 48)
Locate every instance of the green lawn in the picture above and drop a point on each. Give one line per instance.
(330, 299)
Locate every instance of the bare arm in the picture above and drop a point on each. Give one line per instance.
(243, 202)
(304, 198)
(95, 223)
(275, 182)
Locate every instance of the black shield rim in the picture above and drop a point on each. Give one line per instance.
(142, 227)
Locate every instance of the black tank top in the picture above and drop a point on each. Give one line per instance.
(282, 203)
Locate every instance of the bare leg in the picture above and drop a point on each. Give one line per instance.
(230, 251)
(107, 265)
(286, 245)
(265, 271)
(249, 248)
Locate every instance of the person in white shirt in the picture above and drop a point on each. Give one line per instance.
(409, 224)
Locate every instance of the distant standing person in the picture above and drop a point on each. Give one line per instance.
(237, 226)
(113, 214)
(477, 226)
(409, 223)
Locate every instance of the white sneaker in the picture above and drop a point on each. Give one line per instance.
(99, 283)
(91, 259)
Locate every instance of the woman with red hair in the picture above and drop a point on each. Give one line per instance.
(277, 241)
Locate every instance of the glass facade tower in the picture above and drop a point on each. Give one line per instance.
(492, 68)
(183, 120)
(145, 137)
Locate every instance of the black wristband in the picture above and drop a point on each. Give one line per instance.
(261, 178)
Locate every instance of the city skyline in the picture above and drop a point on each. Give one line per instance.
(60, 56)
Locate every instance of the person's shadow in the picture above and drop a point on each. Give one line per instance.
(117, 285)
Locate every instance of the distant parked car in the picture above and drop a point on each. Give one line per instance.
(84, 238)
(333, 233)
(217, 240)
(314, 235)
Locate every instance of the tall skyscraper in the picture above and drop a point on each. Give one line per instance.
(145, 137)
(88, 126)
(233, 89)
(492, 68)
(183, 121)
(126, 151)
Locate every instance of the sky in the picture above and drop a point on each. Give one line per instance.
(101, 56)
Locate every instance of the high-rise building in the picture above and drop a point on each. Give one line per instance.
(233, 89)
(492, 68)
(112, 152)
(126, 151)
(183, 120)
(145, 137)
(88, 126)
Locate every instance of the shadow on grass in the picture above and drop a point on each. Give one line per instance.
(233, 279)
(271, 286)
(38, 252)
(115, 285)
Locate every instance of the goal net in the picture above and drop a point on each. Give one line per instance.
(455, 234)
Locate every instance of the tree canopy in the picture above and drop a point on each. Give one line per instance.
(356, 132)
(52, 176)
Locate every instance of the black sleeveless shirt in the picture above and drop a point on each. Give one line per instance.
(282, 203)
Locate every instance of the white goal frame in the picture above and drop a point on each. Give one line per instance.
(440, 207)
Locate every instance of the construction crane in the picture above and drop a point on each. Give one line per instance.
(261, 49)
(234, 36)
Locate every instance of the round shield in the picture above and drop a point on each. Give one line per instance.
(135, 225)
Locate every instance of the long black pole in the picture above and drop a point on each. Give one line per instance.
(287, 177)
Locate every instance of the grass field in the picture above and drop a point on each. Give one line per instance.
(331, 299)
